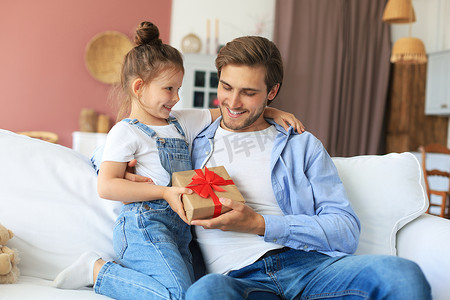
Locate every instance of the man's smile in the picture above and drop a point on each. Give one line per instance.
(233, 113)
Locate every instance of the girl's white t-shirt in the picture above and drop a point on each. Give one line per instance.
(126, 142)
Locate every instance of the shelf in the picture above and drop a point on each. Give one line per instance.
(87, 142)
(200, 82)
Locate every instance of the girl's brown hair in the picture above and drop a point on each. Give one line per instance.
(145, 61)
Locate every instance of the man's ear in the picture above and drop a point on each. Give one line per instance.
(137, 86)
(273, 92)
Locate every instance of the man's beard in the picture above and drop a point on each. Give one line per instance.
(247, 122)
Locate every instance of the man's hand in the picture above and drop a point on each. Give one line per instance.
(241, 218)
(130, 173)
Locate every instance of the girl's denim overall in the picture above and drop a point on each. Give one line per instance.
(150, 240)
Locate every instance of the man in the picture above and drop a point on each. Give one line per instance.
(294, 236)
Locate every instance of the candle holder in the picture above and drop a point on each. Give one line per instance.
(216, 37)
(208, 34)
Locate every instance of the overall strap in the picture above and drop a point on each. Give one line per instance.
(147, 130)
(174, 121)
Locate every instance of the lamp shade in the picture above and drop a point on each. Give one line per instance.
(409, 50)
(399, 11)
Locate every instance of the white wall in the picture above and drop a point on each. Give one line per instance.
(248, 17)
(432, 25)
(236, 18)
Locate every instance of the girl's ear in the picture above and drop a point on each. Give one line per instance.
(273, 92)
(137, 86)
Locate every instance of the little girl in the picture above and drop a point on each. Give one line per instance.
(151, 235)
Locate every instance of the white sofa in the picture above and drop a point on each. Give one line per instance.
(48, 199)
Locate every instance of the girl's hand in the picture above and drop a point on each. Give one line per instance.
(284, 119)
(173, 196)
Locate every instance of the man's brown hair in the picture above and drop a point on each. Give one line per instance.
(253, 51)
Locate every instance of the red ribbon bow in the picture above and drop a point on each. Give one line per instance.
(205, 184)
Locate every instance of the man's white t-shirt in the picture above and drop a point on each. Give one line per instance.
(246, 157)
(126, 142)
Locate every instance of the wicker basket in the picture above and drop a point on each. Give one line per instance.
(104, 55)
(42, 135)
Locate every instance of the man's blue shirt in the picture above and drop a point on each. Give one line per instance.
(317, 213)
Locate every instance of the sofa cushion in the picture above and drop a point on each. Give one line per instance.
(48, 198)
(386, 192)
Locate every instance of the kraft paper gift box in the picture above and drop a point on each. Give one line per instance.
(208, 184)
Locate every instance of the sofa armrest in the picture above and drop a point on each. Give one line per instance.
(426, 240)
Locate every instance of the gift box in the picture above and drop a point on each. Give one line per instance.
(208, 184)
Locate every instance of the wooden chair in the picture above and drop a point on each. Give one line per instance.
(42, 135)
(429, 173)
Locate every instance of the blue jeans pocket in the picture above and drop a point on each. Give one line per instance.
(120, 243)
(157, 205)
(160, 224)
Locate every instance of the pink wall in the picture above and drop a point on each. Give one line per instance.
(44, 83)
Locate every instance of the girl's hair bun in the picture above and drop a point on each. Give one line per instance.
(147, 33)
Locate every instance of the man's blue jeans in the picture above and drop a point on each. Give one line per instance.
(297, 274)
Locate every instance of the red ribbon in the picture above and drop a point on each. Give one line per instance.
(205, 184)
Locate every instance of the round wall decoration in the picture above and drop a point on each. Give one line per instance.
(191, 43)
(104, 55)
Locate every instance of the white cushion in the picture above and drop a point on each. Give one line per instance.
(386, 192)
(48, 198)
(426, 242)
